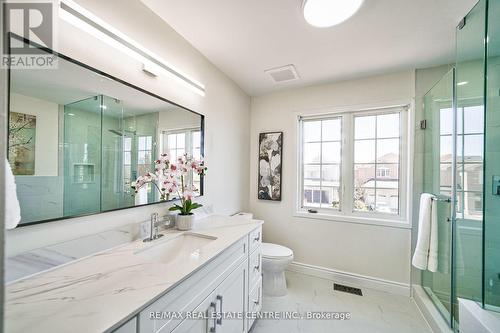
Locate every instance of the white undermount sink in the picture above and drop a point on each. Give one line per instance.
(183, 247)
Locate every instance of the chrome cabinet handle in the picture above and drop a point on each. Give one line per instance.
(256, 302)
(219, 320)
(256, 239)
(257, 267)
(214, 328)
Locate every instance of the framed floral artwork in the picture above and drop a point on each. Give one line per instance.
(270, 158)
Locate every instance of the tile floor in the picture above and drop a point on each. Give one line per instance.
(373, 312)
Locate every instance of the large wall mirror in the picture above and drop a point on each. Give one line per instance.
(79, 138)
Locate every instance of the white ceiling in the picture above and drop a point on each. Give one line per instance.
(245, 37)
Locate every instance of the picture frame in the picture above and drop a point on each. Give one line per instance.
(270, 166)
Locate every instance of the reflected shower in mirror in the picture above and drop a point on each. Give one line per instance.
(78, 139)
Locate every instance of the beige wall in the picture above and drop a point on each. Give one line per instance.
(371, 250)
(225, 106)
(47, 131)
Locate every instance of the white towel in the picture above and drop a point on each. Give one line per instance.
(12, 209)
(426, 252)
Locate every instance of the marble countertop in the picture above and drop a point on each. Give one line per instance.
(97, 293)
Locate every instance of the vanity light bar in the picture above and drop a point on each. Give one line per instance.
(88, 22)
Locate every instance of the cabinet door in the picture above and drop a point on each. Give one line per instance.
(208, 325)
(129, 327)
(231, 297)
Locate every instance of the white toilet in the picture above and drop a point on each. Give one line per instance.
(275, 259)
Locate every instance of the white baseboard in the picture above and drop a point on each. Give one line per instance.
(351, 279)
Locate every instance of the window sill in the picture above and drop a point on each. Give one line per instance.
(401, 224)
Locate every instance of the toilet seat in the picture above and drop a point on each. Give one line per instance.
(275, 251)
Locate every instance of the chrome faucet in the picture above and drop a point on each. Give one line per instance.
(154, 234)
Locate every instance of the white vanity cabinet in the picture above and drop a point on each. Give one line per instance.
(129, 327)
(254, 276)
(229, 284)
(229, 297)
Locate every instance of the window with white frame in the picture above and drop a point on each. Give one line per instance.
(353, 163)
(144, 154)
(127, 163)
(181, 141)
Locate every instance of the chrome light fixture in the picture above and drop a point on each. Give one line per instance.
(327, 13)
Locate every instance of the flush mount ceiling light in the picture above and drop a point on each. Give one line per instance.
(327, 13)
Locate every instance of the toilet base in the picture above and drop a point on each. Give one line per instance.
(274, 283)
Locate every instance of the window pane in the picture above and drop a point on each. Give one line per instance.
(364, 127)
(331, 130)
(387, 201)
(460, 118)
(472, 205)
(364, 151)
(445, 175)
(141, 157)
(388, 126)
(181, 139)
(172, 153)
(172, 142)
(180, 152)
(388, 150)
(330, 197)
(330, 175)
(127, 158)
(311, 196)
(364, 199)
(364, 175)
(149, 142)
(142, 143)
(312, 131)
(312, 175)
(473, 177)
(127, 144)
(473, 148)
(446, 147)
(196, 153)
(446, 121)
(312, 153)
(127, 174)
(474, 119)
(331, 152)
(196, 139)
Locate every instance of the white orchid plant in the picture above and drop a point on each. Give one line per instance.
(170, 177)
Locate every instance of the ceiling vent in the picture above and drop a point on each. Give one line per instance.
(283, 74)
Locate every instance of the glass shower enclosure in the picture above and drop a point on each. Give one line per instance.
(106, 147)
(462, 167)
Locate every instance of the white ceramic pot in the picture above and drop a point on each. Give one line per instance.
(185, 222)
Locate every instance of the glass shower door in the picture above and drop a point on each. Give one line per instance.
(82, 157)
(113, 137)
(469, 88)
(492, 163)
(438, 180)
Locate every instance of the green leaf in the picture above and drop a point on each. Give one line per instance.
(196, 205)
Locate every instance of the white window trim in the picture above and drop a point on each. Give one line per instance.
(403, 220)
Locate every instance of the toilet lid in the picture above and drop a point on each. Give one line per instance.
(275, 251)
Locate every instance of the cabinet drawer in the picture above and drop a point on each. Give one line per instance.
(255, 267)
(255, 239)
(192, 291)
(254, 302)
